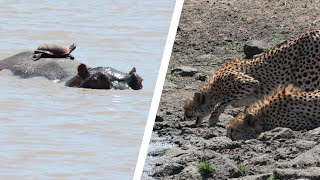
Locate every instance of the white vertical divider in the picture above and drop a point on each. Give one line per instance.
(158, 89)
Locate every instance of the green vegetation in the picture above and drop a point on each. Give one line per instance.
(274, 176)
(204, 168)
(242, 168)
(243, 18)
(170, 77)
(284, 3)
(283, 31)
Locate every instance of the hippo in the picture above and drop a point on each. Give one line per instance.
(73, 73)
(105, 78)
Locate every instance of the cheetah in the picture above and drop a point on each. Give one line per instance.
(289, 107)
(241, 82)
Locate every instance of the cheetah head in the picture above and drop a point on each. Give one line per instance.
(243, 127)
(223, 89)
(192, 107)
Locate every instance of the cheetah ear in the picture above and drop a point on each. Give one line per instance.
(199, 97)
(250, 119)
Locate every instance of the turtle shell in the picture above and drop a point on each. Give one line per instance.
(52, 49)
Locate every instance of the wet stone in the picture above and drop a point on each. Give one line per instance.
(184, 71)
(201, 77)
(254, 47)
(159, 119)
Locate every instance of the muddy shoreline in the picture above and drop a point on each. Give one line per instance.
(209, 34)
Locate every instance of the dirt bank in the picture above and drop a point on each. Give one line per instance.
(210, 33)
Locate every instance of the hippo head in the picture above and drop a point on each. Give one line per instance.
(134, 80)
(96, 81)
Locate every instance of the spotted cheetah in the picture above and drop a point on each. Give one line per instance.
(289, 107)
(241, 82)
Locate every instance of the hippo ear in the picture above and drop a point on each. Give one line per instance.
(250, 119)
(133, 70)
(82, 67)
(83, 71)
(199, 97)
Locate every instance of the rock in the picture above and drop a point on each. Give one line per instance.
(225, 168)
(168, 113)
(227, 39)
(315, 131)
(207, 56)
(261, 160)
(217, 143)
(315, 22)
(254, 177)
(201, 77)
(159, 152)
(283, 133)
(254, 47)
(225, 118)
(190, 172)
(184, 71)
(159, 119)
(307, 158)
(307, 173)
(283, 153)
(276, 133)
(190, 88)
(305, 145)
(233, 111)
(167, 170)
(169, 86)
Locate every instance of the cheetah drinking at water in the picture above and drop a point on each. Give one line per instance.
(241, 82)
(289, 107)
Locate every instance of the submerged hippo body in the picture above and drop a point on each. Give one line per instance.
(64, 70)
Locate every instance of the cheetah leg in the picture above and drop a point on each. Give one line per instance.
(214, 118)
(244, 86)
(199, 121)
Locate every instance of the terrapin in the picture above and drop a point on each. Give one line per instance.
(53, 51)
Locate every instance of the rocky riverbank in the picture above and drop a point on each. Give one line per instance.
(210, 33)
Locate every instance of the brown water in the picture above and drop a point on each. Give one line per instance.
(49, 131)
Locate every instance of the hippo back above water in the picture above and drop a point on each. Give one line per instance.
(24, 66)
